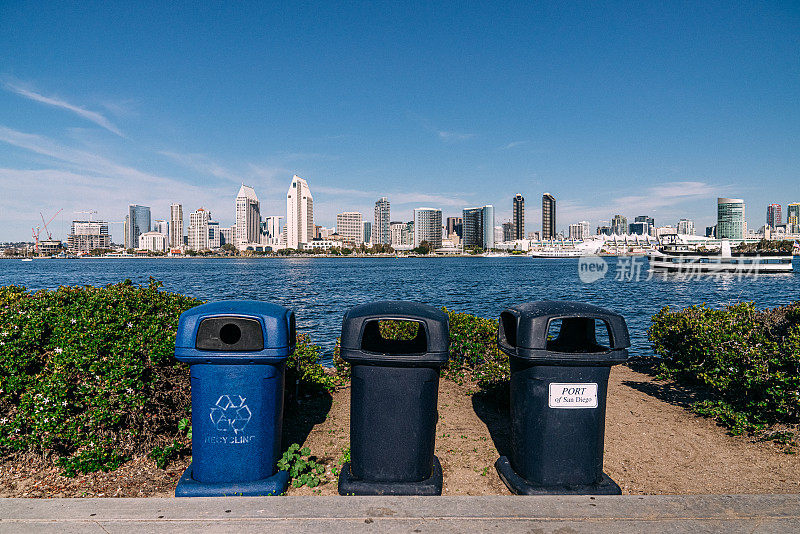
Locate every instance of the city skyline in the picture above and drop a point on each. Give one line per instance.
(641, 110)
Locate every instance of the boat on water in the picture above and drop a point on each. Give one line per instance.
(567, 249)
(681, 258)
(559, 253)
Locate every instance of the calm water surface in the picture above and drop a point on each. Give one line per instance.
(320, 290)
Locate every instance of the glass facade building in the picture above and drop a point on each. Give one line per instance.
(730, 218)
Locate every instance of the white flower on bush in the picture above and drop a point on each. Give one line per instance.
(73, 321)
(4, 420)
(130, 325)
(58, 350)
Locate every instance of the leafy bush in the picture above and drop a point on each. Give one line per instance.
(87, 373)
(749, 359)
(473, 348)
(303, 468)
(303, 368)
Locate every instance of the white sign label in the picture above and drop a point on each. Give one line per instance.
(573, 395)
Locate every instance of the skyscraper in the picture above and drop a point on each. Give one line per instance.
(686, 226)
(271, 231)
(478, 227)
(518, 217)
(85, 236)
(380, 230)
(248, 216)
(162, 227)
(793, 217)
(299, 213)
(774, 216)
(368, 233)
(175, 226)
(454, 226)
(509, 233)
(730, 218)
(619, 225)
(579, 230)
(428, 227)
(138, 223)
(197, 233)
(349, 225)
(548, 216)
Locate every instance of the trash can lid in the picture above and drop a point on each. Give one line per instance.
(362, 341)
(235, 332)
(523, 331)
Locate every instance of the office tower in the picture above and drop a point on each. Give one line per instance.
(380, 230)
(398, 232)
(175, 225)
(686, 226)
(138, 223)
(645, 219)
(711, 231)
(428, 227)
(86, 236)
(214, 235)
(730, 218)
(579, 231)
(774, 216)
(604, 230)
(454, 226)
(478, 227)
(509, 232)
(638, 228)
(226, 235)
(126, 231)
(299, 213)
(409, 234)
(197, 233)
(793, 213)
(153, 241)
(162, 227)
(248, 216)
(518, 217)
(350, 227)
(271, 231)
(548, 216)
(619, 225)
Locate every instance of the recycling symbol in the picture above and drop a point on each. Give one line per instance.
(230, 413)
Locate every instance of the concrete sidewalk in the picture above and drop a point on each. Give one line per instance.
(630, 513)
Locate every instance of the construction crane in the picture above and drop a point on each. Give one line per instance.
(36, 232)
(49, 235)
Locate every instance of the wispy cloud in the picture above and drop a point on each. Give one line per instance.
(204, 164)
(513, 144)
(87, 114)
(451, 137)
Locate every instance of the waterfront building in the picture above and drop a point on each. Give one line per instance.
(478, 227)
(86, 236)
(534, 236)
(380, 230)
(248, 216)
(619, 225)
(508, 232)
(214, 235)
(793, 213)
(427, 227)
(774, 216)
(271, 232)
(398, 233)
(638, 228)
(579, 231)
(198, 231)
(299, 213)
(711, 231)
(497, 235)
(226, 235)
(603, 230)
(454, 226)
(325, 233)
(349, 225)
(665, 230)
(138, 222)
(367, 233)
(730, 218)
(175, 226)
(153, 241)
(686, 226)
(409, 235)
(161, 226)
(645, 219)
(518, 217)
(548, 216)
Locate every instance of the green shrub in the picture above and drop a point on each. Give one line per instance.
(749, 359)
(303, 368)
(473, 349)
(303, 469)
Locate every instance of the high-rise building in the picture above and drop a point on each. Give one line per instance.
(509, 232)
(271, 234)
(349, 225)
(197, 233)
(579, 230)
(686, 226)
(518, 217)
(793, 213)
(153, 241)
(175, 225)
(638, 228)
(548, 216)
(226, 236)
(214, 235)
(711, 231)
(730, 218)
(428, 227)
(138, 223)
(478, 227)
(619, 225)
(299, 213)
(368, 234)
(380, 230)
(86, 236)
(162, 227)
(774, 216)
(454, 226)
(248, 216)
(645, 219)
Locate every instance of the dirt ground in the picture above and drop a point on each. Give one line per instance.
(653, 446)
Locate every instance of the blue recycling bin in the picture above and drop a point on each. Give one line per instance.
(236, 351)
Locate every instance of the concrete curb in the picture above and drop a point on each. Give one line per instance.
(629, 513)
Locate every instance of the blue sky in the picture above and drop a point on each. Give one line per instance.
(633, 108)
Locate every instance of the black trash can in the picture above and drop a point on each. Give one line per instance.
(393, 398)
(558, 396)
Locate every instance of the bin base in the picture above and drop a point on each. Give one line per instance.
(520, 486)
(189, 487)
(430, 486)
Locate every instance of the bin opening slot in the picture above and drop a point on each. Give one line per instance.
(230, 334)
(508, 329)
(394, 336)
(578, 335)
